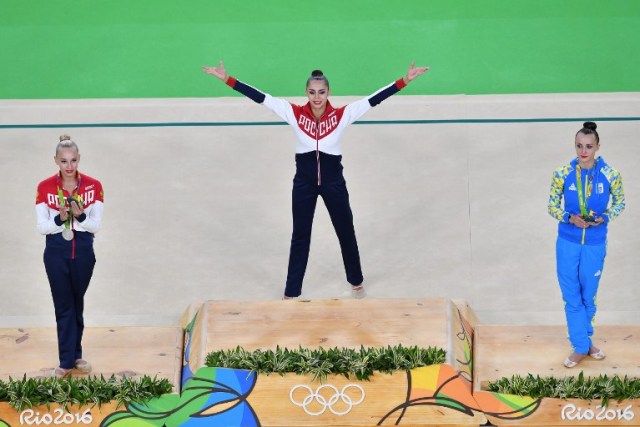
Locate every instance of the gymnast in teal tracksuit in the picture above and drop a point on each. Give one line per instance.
(586, 185)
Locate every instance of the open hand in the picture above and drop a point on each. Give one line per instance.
(415, 71)
(219, 71)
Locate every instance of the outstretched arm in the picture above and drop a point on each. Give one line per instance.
(397, 86)
(279, 106)
(245, 89)
(357, 109)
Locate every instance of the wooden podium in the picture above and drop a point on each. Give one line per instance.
(434, 395)
(504, 351)
(124, 352)
(452, 393)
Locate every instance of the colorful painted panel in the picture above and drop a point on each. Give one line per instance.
(437, 385)
(506, 406)
(212, 397)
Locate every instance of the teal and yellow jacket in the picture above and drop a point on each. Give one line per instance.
(599, 184)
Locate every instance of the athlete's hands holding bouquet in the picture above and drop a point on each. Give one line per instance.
(76, 208)
(581, 222)
(64, 212)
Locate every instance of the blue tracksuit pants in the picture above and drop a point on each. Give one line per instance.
(333, 190)
(579, 269)
(69, 279)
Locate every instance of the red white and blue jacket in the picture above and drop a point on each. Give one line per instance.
(320, 135)
(48, 209)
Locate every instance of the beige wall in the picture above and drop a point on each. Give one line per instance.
(198, 213)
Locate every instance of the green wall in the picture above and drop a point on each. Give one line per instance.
(155, 48)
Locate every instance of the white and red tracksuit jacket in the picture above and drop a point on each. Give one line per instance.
(317, 135)
(48, 216)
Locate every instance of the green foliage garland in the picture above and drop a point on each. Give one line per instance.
(322, 362)
(590, 388)
(93, 390)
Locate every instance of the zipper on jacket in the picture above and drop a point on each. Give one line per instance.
(73, 241)
(318, 150)
(584, 230)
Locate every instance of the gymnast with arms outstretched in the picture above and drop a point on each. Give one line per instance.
(318, 127)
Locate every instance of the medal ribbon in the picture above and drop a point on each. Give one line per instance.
(582, 197)
(62, 201)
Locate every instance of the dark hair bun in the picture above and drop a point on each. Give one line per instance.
(316, 73)
(65, 138)
(590, 125)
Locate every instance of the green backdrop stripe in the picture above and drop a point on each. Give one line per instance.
(363, 122)
(67, 49)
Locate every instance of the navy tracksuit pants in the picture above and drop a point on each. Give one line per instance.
(69, 267)
(329, 184)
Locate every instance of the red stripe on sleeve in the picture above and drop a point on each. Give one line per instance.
(231, 82)
(400, 84)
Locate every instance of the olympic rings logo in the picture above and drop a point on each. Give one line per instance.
(322, 402)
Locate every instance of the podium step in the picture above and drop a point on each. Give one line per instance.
(130, 351)
(506, 350)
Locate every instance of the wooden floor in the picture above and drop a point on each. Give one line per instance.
(326, 323)
(130, 351)
(504, 350)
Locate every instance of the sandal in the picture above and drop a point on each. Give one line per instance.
(570, 361)
(60, 372)
(83, 366)
(596, 353)
(298, 298)
(358, 292)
